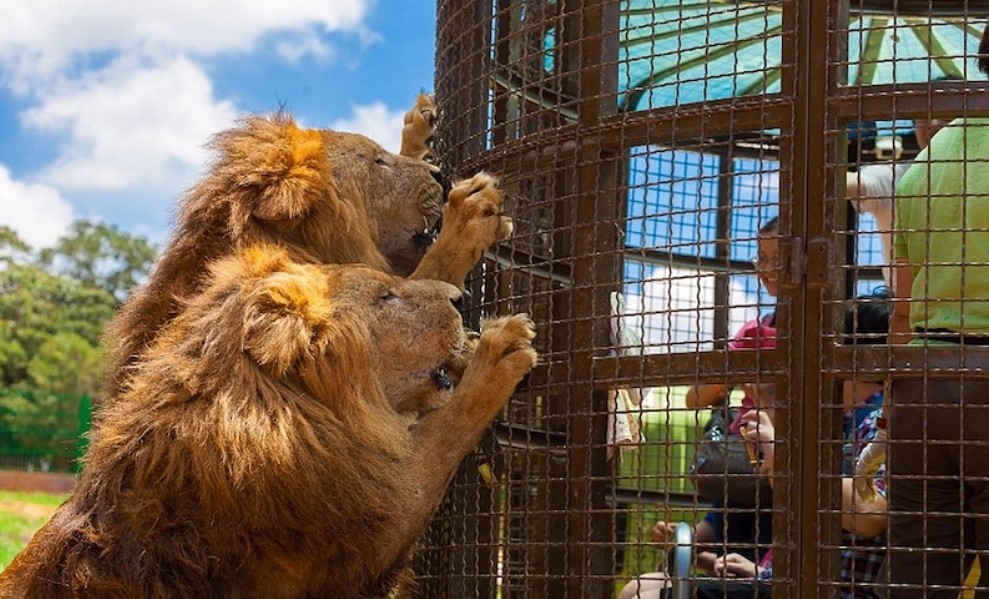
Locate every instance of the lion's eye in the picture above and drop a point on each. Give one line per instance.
(381, 162)
(489, 211)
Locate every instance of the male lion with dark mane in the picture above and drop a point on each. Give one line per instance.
(259, 449)
(327, 197)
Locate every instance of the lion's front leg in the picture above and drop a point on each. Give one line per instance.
(472, 222)
(443, 437)
(504, 355)
(420, 122)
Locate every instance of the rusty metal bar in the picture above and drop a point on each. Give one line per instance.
(589, 43)
(944, 99)
(791, 559)
(613, 132)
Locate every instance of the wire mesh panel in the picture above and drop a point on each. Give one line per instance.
(706, 253)
(913, 229)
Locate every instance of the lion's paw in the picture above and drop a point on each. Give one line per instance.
(418, 126)
(506, 344)
(472, 222)
(474, 207)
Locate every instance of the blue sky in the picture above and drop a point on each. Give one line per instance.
(105, 105)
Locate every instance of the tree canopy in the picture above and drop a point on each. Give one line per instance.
(55, 303)
(100, 255)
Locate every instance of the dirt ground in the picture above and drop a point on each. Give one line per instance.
(27, 509)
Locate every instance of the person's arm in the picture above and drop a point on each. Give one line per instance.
(852, 180)
(863, 518)
(870, 190)
(665, 532)
(734, 565)
(701, 396)
(899, 323)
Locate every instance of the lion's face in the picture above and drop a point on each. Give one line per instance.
(328, 196)
(416, 333)
(300, 320)
(404, 199)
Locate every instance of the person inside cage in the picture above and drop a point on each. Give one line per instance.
(734, 575)
(738, 528)
(939, 443)
(863, 521)
(871, 188)
(729, 528)
(767, 264)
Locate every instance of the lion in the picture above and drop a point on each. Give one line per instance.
(327, 197)
(260, 451)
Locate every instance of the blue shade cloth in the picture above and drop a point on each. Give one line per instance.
(672, 200)
(675, 52)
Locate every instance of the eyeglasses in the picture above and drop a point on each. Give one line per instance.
(769, 263)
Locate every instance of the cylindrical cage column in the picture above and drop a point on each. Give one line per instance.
(682, 177)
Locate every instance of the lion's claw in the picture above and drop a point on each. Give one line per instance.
(472, 222)
(467, 188)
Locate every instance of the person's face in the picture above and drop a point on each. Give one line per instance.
(924, 130)
(767, 263)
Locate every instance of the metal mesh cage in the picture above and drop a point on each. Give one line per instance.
(690, 182)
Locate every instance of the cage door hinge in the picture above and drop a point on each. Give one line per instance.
(798, 261)
(810, 266)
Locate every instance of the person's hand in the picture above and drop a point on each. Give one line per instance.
(664, 532)
(758, 432)
(759, 427)
(734, 565)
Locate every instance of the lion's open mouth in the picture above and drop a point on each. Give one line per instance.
(427, 235)
(442, 378)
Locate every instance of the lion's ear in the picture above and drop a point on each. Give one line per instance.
(285, 169)
(286, 311)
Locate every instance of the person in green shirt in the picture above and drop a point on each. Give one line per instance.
(939, 427)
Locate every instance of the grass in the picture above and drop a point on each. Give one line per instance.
(21, 514)
(659, 465)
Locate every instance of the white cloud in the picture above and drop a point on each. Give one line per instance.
(36, 212)
(368, 36)
(131, 124)
(376, 121)
(305, 45)
(38, 39)
(123, 89)
(676, 311)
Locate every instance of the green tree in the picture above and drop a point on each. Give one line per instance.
(12, 247)
(39, 430)
(54, 306)
(36, 306)
(100, 255)
(65, 363)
